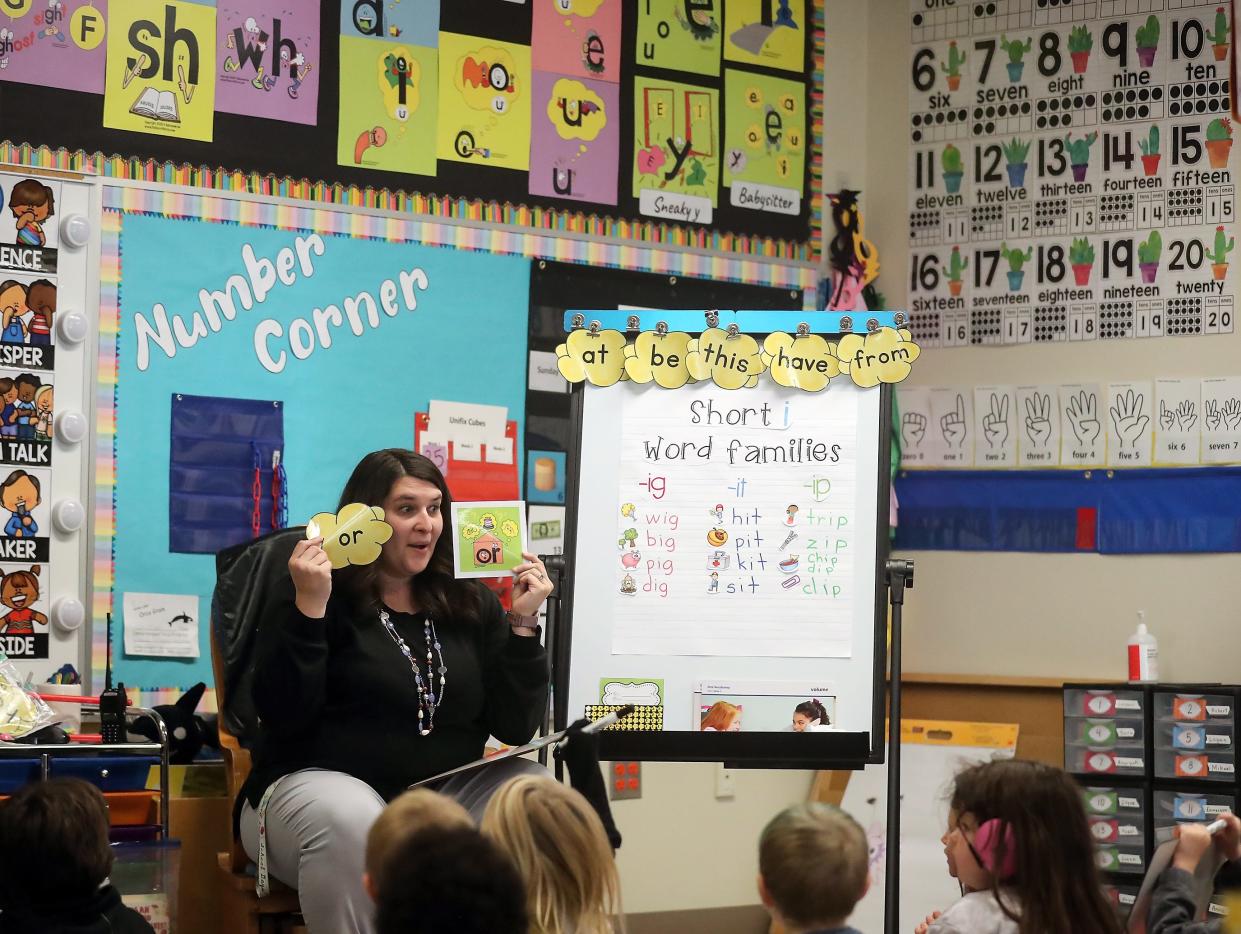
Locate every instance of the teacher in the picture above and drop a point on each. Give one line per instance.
(368, 679)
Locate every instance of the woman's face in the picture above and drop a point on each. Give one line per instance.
(413, 510)
(735, 725)
(800, 722)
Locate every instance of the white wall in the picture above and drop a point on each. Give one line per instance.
(683, 848)
(1035, 614)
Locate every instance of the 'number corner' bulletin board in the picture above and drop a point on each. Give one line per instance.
(313, 331)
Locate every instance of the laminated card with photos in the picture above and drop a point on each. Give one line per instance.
(725, 555)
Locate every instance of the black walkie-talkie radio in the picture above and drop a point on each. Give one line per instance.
(112, 701)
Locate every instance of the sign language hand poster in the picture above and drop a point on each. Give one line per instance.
(1072, 171)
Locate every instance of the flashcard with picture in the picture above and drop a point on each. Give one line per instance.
(27, 319)
(23, 610)
(488, 537)
(29, 232)
(26, 418)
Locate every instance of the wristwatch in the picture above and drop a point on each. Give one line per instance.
(519, 622)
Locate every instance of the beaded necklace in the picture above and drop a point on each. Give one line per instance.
(428, 700)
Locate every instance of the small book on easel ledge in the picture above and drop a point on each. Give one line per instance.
(158, 105)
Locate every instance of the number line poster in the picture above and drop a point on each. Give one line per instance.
(1071, 172)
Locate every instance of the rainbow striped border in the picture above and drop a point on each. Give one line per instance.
(250, 212)
(119, 200)
(816, 133)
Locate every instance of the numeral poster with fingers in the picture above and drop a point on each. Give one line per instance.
(1073, 175)
(1170, 422)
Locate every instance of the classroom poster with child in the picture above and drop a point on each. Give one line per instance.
(29, 238)
(23, 610)
(26, 418)
(161, 68)
(54, 43)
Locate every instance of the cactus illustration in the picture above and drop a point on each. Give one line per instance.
(1016, 259)
(1150, 145)
(1150, 151)
(950, 160)
(956, 265)
(952, 67)
(1148, 256)
(1016, 51)
(1148, 41)
(1080, 44)
(1219, 255)
(1219, 142)
(1081, 253)
(1219, 38)
(1079, 153)
(1081, 258)
(1015, 153)
(1080, 39)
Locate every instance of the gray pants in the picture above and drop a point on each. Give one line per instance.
(317, 822)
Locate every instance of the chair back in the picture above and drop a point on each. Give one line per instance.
(246, 576)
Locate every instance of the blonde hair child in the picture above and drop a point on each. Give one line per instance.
(561, 851)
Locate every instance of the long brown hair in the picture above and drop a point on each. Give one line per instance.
(435, 590)
(1056, 883)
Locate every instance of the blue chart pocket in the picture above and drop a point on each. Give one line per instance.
(211, 482)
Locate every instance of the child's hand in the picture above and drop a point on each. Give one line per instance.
(925, 925)
(1194, 841)
(1228, 840)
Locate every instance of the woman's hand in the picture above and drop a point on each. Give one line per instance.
(531, 587)
(311, 571)
(925, 925)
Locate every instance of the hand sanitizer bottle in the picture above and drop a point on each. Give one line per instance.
(1143, 653)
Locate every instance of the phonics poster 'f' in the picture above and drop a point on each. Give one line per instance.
(54, 43)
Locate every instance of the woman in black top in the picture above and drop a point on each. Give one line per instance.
(376, 677)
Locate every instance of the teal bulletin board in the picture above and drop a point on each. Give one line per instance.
(445, 324)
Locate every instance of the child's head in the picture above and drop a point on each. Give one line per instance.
(813, 866)
(559, 846)
(12, 300)
(53, 844)
(722, 716)
(8, 391)
(27, 384)
(33, 196)
(1022, 825)
(20, 489)
(449, 879)
(810, 713)
(414, 811)
(41, 297)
